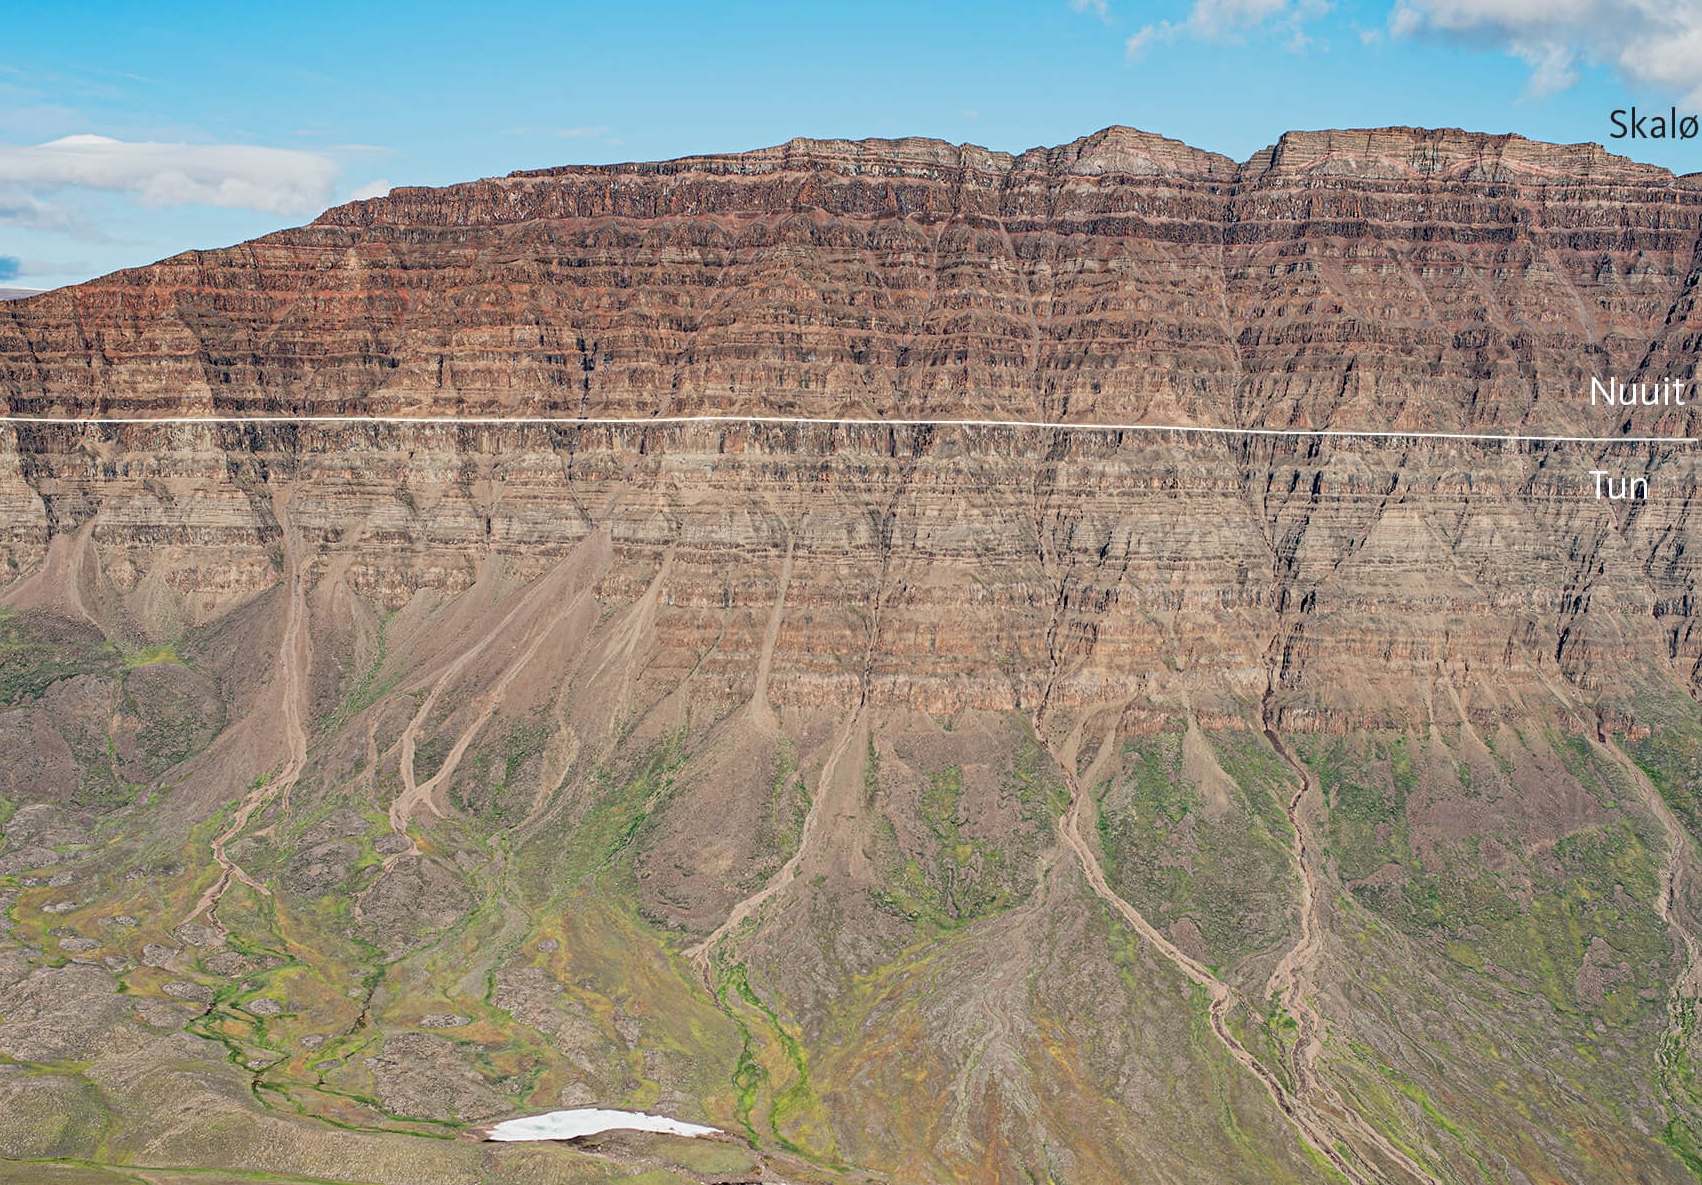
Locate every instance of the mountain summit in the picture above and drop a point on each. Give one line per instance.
(1367, 279)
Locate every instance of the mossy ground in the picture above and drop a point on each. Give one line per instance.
(1224, 869)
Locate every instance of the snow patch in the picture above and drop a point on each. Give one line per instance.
(590, 1121)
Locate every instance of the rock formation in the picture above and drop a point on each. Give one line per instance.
(1031, 786)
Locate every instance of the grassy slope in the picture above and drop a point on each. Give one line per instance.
(972, 1014)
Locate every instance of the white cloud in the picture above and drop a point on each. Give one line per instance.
(1654, 42)
(1225, 20)
(1099, 8)
(20, 207)
(372, 189)
(241, 176)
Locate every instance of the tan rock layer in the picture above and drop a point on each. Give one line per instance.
(1352, 572)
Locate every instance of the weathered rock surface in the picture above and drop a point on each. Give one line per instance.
(1393, 278)
(933, 801)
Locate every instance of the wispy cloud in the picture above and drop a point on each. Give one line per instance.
(1657, 43)
(1228, 20)
(372, 189)
(20, 207)
(1099, 8)
(239, 176)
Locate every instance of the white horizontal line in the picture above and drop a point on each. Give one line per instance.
(1046, 425)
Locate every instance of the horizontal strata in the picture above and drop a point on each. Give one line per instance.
(1395, 278)
(1457, 558)
(238, 419)
(932, 802)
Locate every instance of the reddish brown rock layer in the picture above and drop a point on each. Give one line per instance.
(1366, 279)
(936, 802)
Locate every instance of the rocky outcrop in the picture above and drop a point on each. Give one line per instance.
(1120, 555)
(924, 800)
(1373, 279)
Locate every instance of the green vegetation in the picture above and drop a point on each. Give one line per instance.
(616, 1014)
(1268, 1035)
(489, 781)
(781, 823)
(149, 656)
(367, 689)
(1671, 756)
(1223, 867)
(958, 876)
(619, 813)
(1577, 927)
(1366, 794)
(1683, 1132)
(176, 712)
(1034, 782)
(36, 652)
(772, 1075)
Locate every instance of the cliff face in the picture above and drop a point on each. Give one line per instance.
(1392, 278)
(918, 801)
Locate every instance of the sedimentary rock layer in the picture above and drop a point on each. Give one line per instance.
(917, 801)
(1372, 279)
(1412, 559)
(888, 657)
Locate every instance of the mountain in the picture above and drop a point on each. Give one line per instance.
(1147, 677)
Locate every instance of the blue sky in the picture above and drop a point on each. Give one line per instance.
(197, 125)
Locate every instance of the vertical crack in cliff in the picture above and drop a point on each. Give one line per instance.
(1677, 317)
(1238, 374)
(921, 438)
(1057, 579)
(1036, 335)
(295, 658)
(1290, 979)
(565, 444)
(722, 297)
(905, 406)
(761, 712)
(1670, 577)
(1315, 1127)
(1571, 648)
